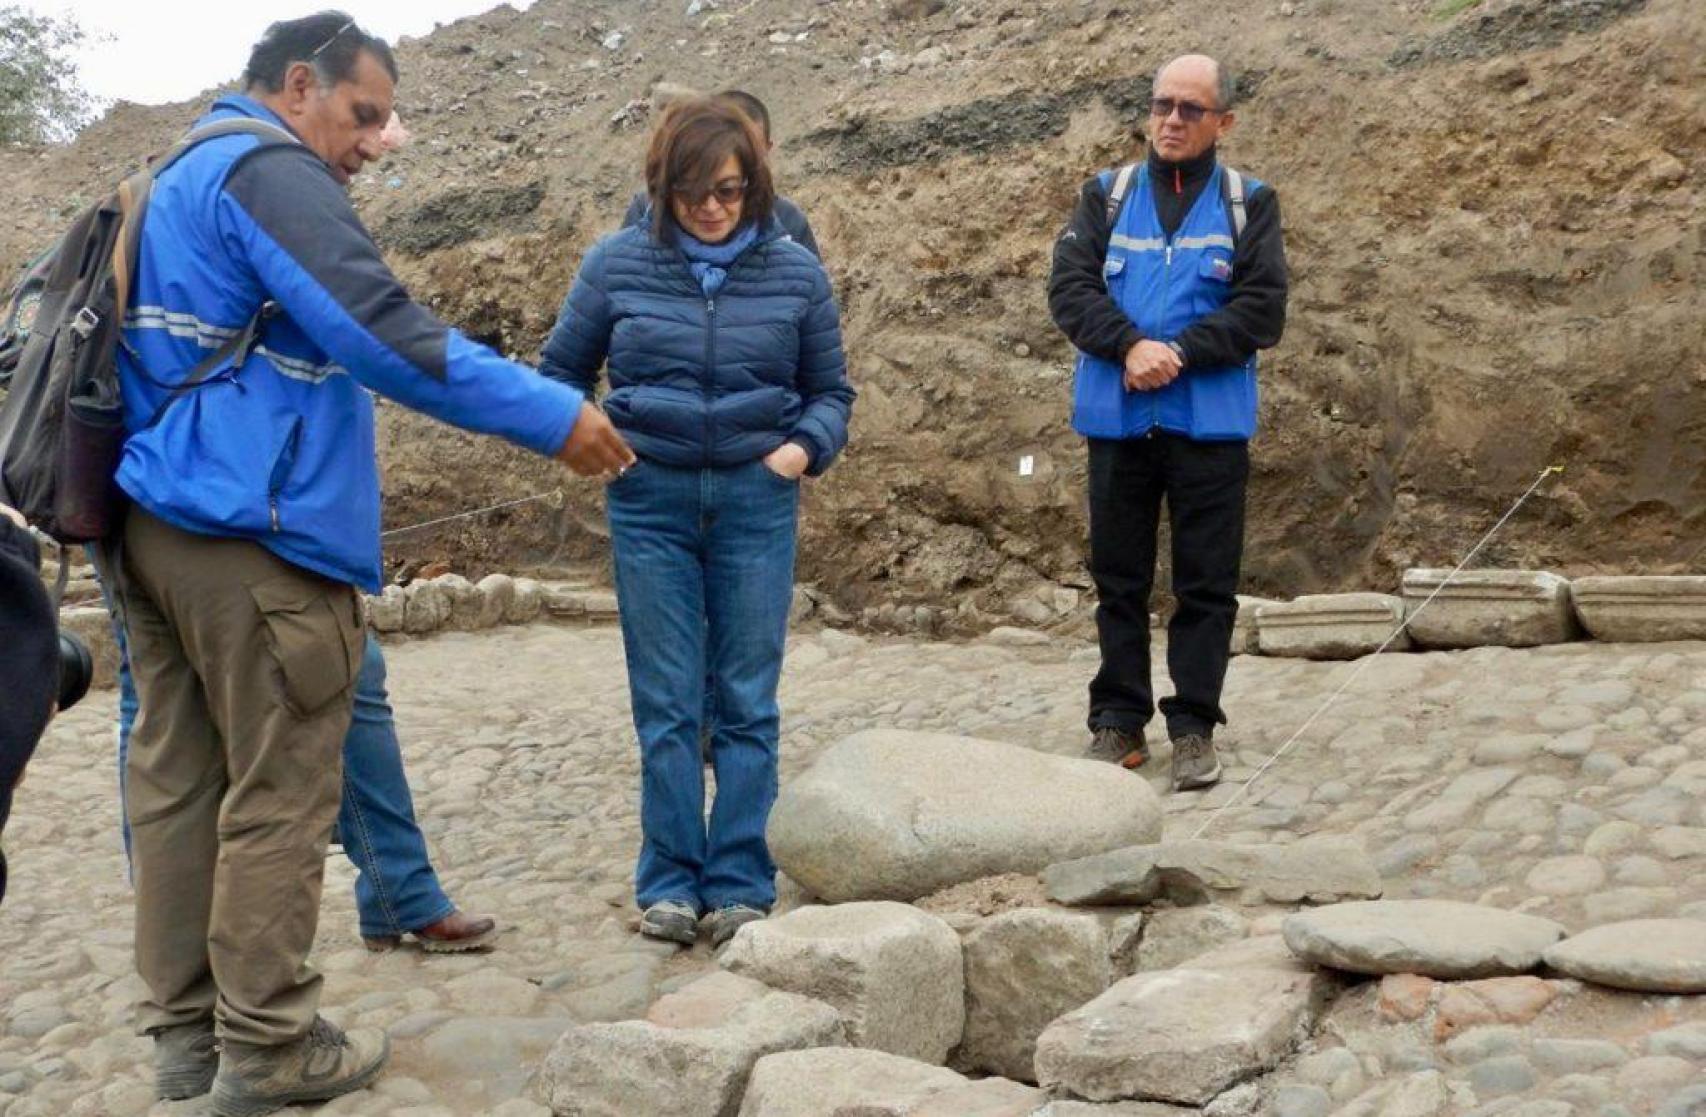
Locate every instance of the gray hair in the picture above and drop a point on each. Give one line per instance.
(1225, 83)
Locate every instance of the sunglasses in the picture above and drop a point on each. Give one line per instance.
(336, 35)
(1189, 111)
(727, 192)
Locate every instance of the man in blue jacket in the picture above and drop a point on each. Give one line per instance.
(255, 522)
(1168, 280)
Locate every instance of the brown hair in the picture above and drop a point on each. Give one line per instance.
(692, 140)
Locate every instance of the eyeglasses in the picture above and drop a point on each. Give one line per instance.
(315, 53)
(1189, 111)
(727, 192)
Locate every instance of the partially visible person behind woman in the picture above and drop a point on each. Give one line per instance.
(723, 347)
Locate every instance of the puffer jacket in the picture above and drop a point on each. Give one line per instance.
(699, 381)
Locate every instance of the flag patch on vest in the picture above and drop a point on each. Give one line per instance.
(1220, 268)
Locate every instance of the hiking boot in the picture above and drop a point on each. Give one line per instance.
(456, 933)
(725, 921)
(326, 1063)
(1116, 746)
(1195, 763)
(671, 921)
(185, 1059)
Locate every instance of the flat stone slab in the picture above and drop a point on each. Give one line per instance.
(1179, 1036)
(1319, 870)
(1483, 608)
(1642, 955)
(896, 815)
(1330, 626)
(1641, 609)
(895, 973)
(1436, 938)
(840, 1080)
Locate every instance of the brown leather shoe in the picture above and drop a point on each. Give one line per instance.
(456, 933)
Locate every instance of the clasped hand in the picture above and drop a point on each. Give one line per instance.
(1150, 365)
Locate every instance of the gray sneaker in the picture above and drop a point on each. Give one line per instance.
(1116, 746)
(671, 921)
(725, 921)
(185, 1060)
(1195, 763)
(326, 1063)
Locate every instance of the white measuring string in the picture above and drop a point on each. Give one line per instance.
(548, 494)
(1361, 666)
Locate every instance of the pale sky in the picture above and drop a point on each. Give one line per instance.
(161, 52)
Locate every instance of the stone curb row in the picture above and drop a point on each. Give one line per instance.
(1478, 608)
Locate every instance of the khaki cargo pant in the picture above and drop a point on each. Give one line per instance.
(245, 666)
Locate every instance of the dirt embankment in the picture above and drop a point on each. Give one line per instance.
(1493, 218)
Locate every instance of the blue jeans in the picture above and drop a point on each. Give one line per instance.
(704, 577)
(396, 889)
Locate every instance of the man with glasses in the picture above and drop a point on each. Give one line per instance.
(254, 520)
(1169, 278)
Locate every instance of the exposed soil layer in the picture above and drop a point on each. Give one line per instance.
(1493, 219)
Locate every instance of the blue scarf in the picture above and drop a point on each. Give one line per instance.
(710, 262)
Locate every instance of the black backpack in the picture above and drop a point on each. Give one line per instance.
(62, 422)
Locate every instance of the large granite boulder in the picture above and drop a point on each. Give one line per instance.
(1024, 969)
(696, 1064)
(895, 973)
(1437, 938)
(1642, 609)
(1479, 608)
(895, 815)
(1331, 626)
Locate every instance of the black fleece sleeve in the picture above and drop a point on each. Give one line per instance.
(1254, 317)
(1078, 298)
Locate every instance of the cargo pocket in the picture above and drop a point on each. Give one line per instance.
(313, 637)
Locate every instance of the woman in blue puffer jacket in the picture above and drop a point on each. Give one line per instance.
(723, 345)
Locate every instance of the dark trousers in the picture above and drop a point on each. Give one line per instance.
(1204, 484)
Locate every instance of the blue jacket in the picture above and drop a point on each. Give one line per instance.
(281, 450)
(699, 382)
(1164, 284)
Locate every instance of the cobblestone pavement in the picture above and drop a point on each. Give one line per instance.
(1565, 780)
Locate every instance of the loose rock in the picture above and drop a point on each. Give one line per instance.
(1643, 955)
(888, 814)
(1024, 969)
(1438, 938)
(1178, 1035)
(895, 973)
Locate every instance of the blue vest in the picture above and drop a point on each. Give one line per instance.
(1164, 284)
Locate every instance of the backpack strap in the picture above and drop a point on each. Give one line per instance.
(1232, 189)
(133, 192)
(1116, 194)
(235, 349)
(133, 195)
